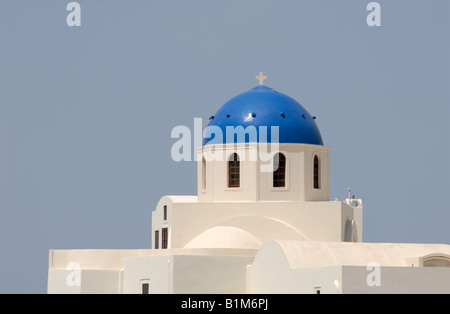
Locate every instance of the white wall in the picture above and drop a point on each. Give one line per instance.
(257, 179)
(87, 271)
(318, 221)
(270, 273)
(91, 281)
(57, 282)
(210, 274)
(166, 271)
(348, 280)
(186, 274)
(275, 276)
(405, 280)
(326, 280)
(155, 270)
(345, 268)
(158, 221)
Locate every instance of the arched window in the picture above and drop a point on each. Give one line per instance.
(436, 261)
(279, 171)
(316, 174)
(234, 171)
(203, 173)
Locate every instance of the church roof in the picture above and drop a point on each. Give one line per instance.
(304, 254)
(245, 232)
(263, 106)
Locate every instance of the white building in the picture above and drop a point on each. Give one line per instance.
(262, 222)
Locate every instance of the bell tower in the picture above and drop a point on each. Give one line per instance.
(262, 145)
(294, 172)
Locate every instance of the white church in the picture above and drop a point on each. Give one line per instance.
(261, 222)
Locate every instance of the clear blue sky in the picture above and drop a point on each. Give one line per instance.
(86, 112)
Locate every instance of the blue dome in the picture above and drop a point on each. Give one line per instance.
(262, 106)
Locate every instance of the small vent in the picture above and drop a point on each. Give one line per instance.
(436, 262)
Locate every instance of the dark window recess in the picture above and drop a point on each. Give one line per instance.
(279, 172)
(203, 173)
(156, 246)
(234, 171)
(145, 288)
(316, 172)
(164, 242)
